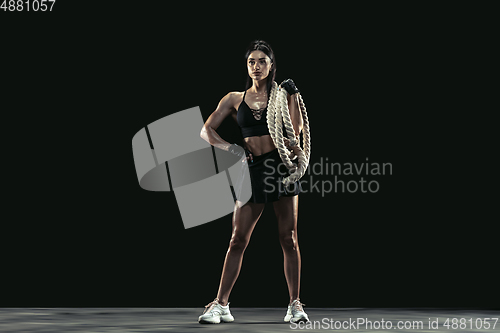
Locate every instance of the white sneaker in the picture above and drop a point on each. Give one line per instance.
(296, 313)
(215, 313)
(288, 314)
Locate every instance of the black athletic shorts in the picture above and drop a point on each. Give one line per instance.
(266, 174)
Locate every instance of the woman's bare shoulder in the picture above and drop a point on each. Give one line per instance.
(234, 98)
(230, 102)
(236, 95)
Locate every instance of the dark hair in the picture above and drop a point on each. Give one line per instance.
(266, 48)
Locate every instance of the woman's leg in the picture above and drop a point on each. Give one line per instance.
(244, 220)
(286, 209)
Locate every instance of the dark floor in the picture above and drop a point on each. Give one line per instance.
(246, 320)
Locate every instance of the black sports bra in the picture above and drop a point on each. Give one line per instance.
(252, 122)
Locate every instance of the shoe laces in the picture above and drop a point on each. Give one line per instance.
(209, 306)
(297, 305)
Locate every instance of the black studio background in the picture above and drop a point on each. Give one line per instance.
(377, 86)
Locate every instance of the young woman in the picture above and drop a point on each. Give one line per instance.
(249, 110)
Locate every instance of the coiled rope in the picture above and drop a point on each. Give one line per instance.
(278, 116)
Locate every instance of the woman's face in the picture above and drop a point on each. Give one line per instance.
(259, 65)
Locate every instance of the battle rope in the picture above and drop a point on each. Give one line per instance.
(279, 116)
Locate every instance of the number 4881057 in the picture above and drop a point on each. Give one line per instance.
(27, 5)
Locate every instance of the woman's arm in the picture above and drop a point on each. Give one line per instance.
(295, 114)
(224, 109)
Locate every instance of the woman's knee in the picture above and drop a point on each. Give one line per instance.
(238, 243)
(288, 240)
